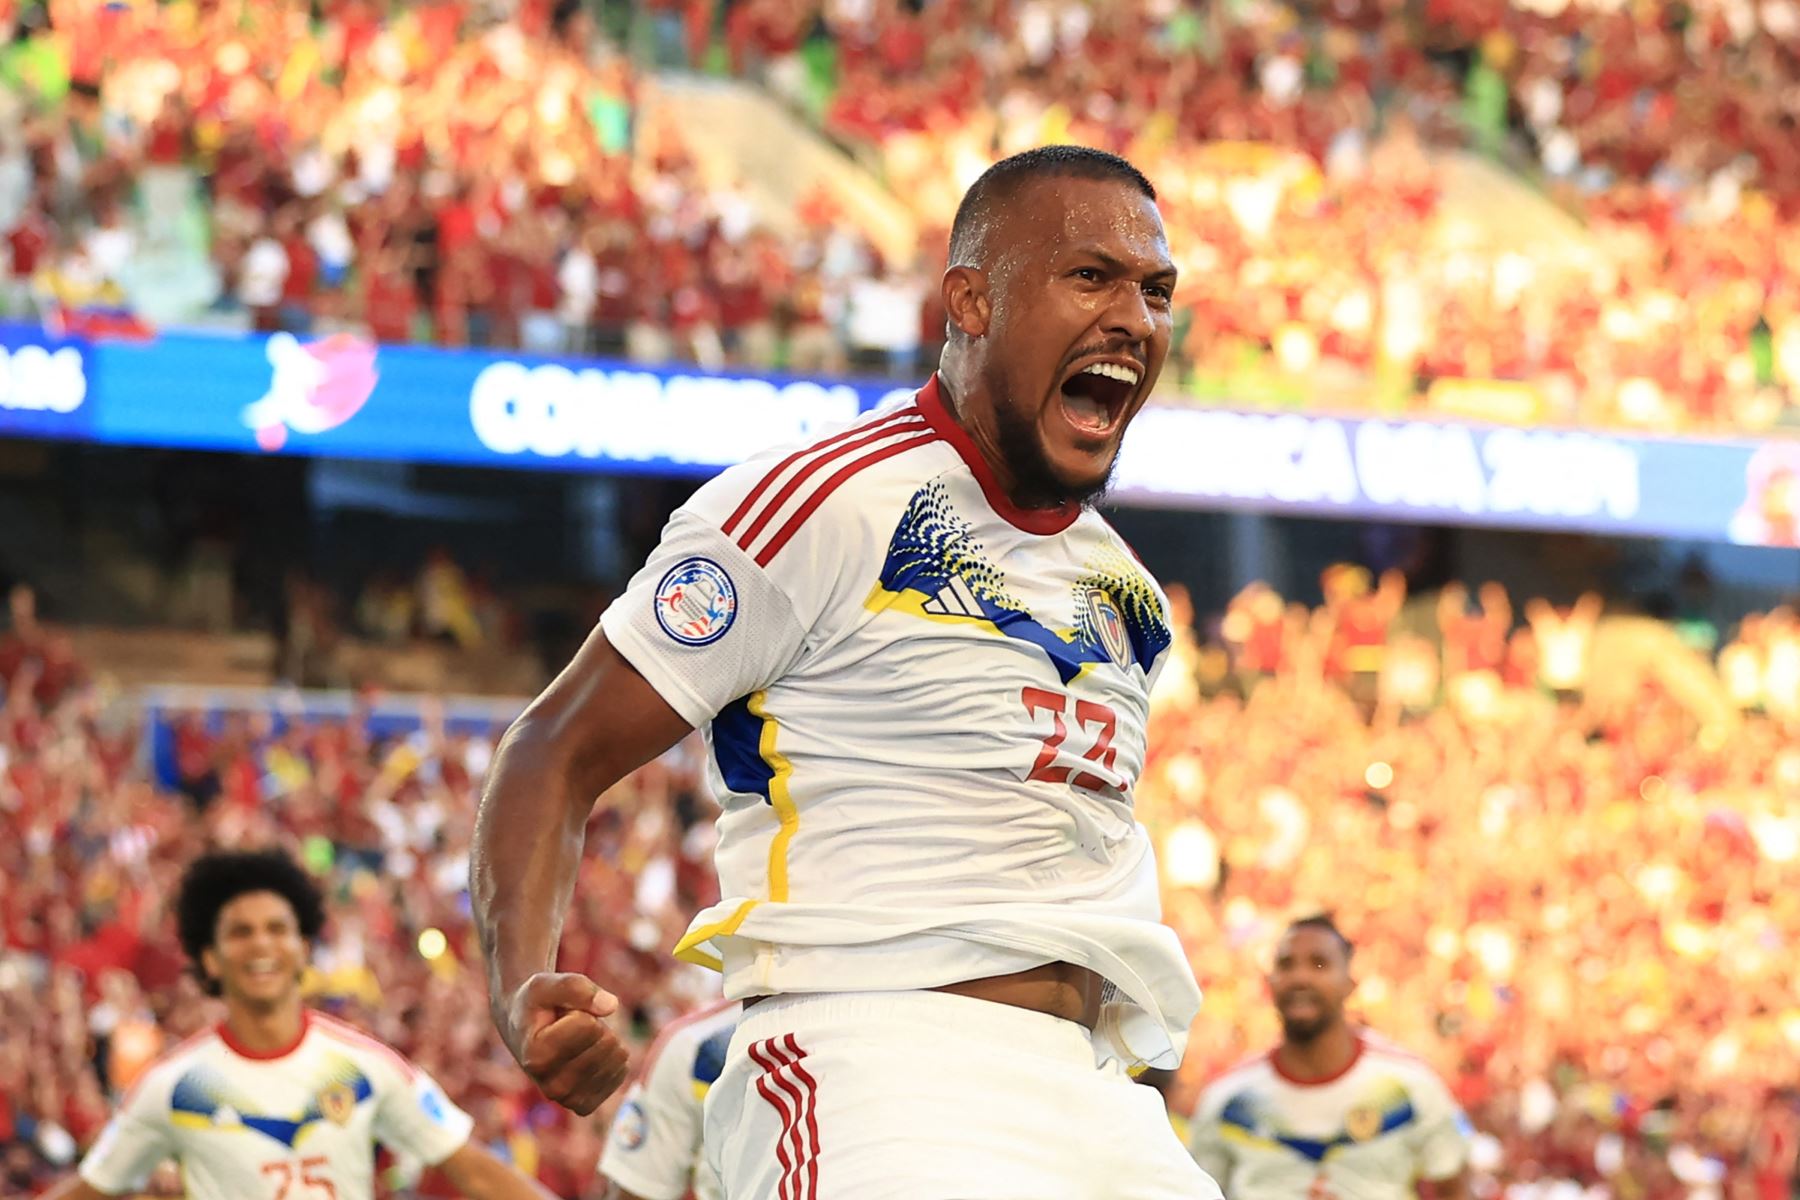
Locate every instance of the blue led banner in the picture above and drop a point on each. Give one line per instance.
(347, 398)
(344, 397)
(1462, 474)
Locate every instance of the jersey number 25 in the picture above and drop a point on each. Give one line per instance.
(285, 1174)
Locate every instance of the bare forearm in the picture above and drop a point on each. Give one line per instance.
(478, 1175)
(526, 855)
(1456, 1187)
(597, 722)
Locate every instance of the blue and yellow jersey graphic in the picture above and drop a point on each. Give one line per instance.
(202, 1100)
(936, 568)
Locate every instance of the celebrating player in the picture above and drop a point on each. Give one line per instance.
(278, 1102)
(1334, 1112)
(653, 1150)
(923, 662)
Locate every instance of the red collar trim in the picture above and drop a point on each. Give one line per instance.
(1031, 520)
(1355, 1058)
(243, 1051)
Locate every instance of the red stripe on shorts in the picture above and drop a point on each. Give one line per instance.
(811, 1086)
(790, 1122)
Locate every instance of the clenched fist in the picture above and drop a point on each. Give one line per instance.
(556, 1030)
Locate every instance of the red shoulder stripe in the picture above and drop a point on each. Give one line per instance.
(1391, 1051)
(877, 433)
(351, 1036)
(762, 485)
(661, 1041)
(1245, 1063)
(774, 545)
(165, 1058)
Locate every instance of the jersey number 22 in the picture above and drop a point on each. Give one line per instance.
(1093, 717)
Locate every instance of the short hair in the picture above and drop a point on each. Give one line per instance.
(214, 880)
(1324, 923)
(1002, 181)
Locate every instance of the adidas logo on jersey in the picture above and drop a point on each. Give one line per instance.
(954, 599)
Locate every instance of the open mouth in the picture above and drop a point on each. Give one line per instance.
(261, 969)
(1095, 397)
(1301, 999)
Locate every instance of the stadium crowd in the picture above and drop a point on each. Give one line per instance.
(409, 172)
(1580, 916)
(1291, 152)
(435, 172)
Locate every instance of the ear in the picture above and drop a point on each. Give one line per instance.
(966, 300)
(209, 963)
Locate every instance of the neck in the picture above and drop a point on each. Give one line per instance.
(958, 389)
(1320, 1058)
(272, 1030)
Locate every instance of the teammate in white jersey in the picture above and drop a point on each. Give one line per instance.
(653, 1150)
(923, 665)
(277, 1102)
(1334, 1112)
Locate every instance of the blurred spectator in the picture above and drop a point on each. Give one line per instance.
(91, 980)
(1580, 917)
(458, 176)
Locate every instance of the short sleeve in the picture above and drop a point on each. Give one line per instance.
(134, 1142)
(1206, 1140)
(706, 624)
(414, 1117)
(1441, 1145)
(654, 1143)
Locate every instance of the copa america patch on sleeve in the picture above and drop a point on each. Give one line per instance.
(630, 1127)
(696, 602)
(433, 1105)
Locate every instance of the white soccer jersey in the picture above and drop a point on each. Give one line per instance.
(653, 1147)
(1367, 1134)
(926, 713)
(301, 1125)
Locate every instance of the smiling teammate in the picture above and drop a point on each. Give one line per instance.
(923, 663)
(278, 1102)
(653, 1149)
(1334, 1112)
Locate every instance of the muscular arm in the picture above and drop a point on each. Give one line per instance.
(75, 1188)
(596, 722)
(478, 1175)
(1455, 1187)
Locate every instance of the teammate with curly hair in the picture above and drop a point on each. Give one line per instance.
(277, 1102)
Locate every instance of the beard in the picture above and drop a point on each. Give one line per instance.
(1035, 482)
(1304, 1031)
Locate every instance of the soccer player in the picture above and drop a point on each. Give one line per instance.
(278, 1102)
(1334, 1112)
(653, 1150)
(923, 663)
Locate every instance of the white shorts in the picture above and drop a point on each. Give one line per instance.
(930, 1096)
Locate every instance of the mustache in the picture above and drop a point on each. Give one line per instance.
(1129, 350)
(1296, 993)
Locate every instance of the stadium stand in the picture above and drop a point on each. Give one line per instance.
(1611, 1006)
(1566, 843)
(430, 173)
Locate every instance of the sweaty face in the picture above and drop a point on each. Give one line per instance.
(257, 954)
(1080, 282)
(1310, 983)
